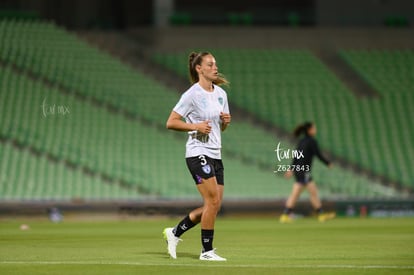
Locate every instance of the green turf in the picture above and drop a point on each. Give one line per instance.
(252, 246)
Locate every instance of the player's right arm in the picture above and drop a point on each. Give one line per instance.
(175, 122)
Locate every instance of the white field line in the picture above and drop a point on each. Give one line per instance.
(339, 266)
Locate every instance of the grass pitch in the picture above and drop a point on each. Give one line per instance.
(251, 245)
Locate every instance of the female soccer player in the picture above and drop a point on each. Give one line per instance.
(205, 109)
(301, 167)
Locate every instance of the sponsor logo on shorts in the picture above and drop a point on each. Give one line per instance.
(206, 169)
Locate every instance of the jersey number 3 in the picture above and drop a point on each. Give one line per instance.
(203, 160)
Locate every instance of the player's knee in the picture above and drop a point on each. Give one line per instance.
(313, 192)
(213, 202)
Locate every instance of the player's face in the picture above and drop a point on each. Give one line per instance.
(312, 131)
(208, 68)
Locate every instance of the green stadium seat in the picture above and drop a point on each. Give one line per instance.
(277, 79)
(143, 161)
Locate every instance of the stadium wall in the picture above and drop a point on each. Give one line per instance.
(183, 38)
(123, 209)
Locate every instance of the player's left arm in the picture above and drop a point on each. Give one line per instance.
(225, 116)
(320, 155)
(225, 120)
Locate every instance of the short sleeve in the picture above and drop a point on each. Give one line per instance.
(184, 105)
(226, 106)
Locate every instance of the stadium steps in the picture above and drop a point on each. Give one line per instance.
(77, 144)
(80, 76)
(389, 71)
(29, 177)
(145, 113)
(52, 136)
(60, 58)
(346, 74)
(249, 144)
(328, 103)
(79, 141)
(90, 140)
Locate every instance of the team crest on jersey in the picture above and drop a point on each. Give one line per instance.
(220, 100)
(206, 169)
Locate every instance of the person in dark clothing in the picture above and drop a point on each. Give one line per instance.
(301, 168)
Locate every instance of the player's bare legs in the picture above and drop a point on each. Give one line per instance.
(212, 194)
(209, 192)
(294, 195)
(314, 197)
(291, 202)
(317, 204)
(196, 214)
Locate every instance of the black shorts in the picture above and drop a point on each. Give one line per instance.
(303, 177)
(204, 167)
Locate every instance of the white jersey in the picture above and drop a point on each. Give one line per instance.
(197, 105)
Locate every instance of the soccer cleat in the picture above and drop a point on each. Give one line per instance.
(285, 218)
(326, 216)
(172, 241)
(211, 256)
